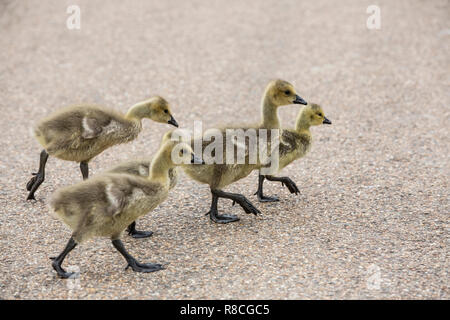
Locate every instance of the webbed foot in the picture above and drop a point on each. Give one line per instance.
(292, 187)
(136, 234)
(222, 218)
(246, 205)
(263, 198)
(144, 267)
(63, 274)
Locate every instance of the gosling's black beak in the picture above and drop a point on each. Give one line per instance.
(196, 160)
(326, 121)
(299, 100)
(172, 121)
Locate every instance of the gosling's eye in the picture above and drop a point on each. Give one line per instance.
(166, 111)
(287, 92)
(320, 114)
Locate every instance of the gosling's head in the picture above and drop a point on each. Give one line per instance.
(313, 115)
(180, 153)
(156, 109)
(281, 93)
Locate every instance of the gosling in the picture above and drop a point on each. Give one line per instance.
(217, 176)
(79, 133)
(295, 144)
(106, 204)
(142, 168)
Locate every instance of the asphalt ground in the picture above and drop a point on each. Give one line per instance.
(372, 217)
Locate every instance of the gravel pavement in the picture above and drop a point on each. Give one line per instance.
(372, 219)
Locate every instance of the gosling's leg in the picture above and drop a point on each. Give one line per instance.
(39, 177)
(237, 198)
(84, 169)
(285, 181)
(132, 262)
(214, 213)
(136, 233)
(56, 264)
(260, 194)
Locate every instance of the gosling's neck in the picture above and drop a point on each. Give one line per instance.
(136, 112)
(303, 124)
(159, 169)
(270, 118)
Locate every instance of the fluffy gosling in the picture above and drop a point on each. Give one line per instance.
(106, 204)
(295, 145)
(142, 168)
(217, 176)
(79, 133)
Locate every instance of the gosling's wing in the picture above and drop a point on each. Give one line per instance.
(91, 128)
(117, 192)
(122, 190)
(141, 168)
(70, 124)
(289, 141)
(276, 148)
(134, 167)
(293, 146)
(97, 121)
